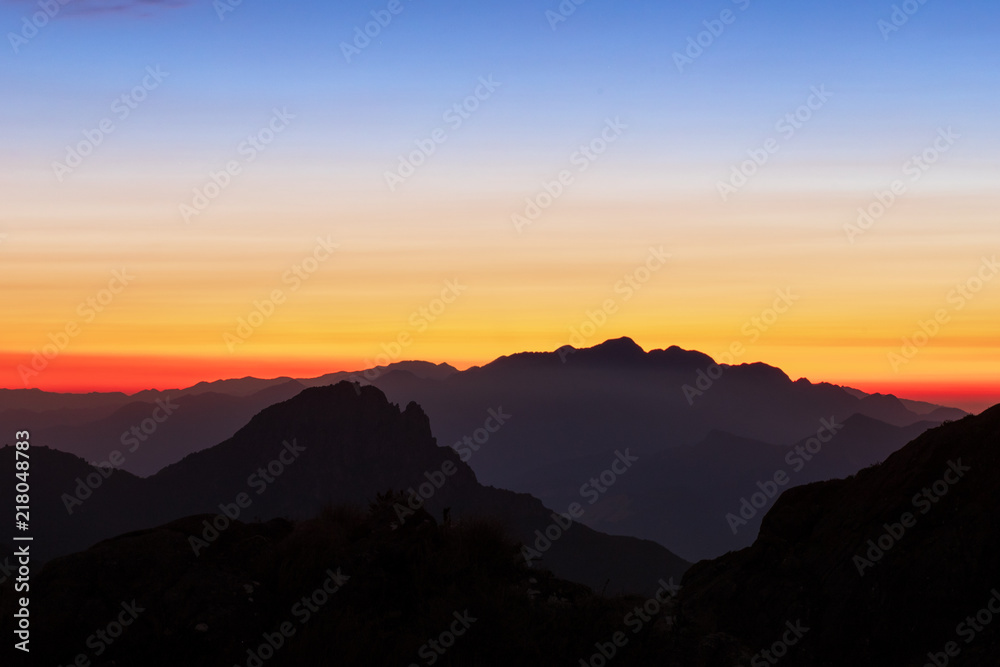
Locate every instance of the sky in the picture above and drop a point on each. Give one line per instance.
(201, 190)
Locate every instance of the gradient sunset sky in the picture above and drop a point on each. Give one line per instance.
(212, 74)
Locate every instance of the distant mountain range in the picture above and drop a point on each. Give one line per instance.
(700, 453)
(704, 435)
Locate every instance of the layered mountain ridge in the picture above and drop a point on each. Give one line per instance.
(334, 445)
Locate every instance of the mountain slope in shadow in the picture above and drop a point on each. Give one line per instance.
(894, 565)
(152, 435)
(328, 445)
(573, 409)
(576, 403)
(710, 498)
(344, 588)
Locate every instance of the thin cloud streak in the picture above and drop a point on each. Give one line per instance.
(141, 8)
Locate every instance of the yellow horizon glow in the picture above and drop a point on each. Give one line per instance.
(524, 291)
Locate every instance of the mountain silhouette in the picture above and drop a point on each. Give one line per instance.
(690, 498)
(572, 410)
(343, 588)
(340, 444)
(190, 422)
(890, 566)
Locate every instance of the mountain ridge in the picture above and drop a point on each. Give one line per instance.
(853, 557)
(340, 444)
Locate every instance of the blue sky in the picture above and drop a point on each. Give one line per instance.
(606, 59)
(687, 129)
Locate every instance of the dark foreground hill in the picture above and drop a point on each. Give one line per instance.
(897, 565)
(340, 444)
(343, 589)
